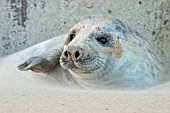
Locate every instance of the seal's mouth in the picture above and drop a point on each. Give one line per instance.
(85, 65)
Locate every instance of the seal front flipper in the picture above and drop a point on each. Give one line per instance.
(36, 64)
(43, 63)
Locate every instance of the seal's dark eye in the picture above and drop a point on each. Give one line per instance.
(72, 37)
(102, 40)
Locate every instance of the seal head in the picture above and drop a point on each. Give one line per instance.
(105, 53)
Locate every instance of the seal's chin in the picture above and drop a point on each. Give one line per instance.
(83, 70)
(79, 70)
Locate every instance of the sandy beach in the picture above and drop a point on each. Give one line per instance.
(23, 97)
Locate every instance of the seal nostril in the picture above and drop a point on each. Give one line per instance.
(66, 54)
(77, 54)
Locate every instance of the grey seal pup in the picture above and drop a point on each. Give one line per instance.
(100, 53)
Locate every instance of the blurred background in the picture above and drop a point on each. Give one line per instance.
(27, 22)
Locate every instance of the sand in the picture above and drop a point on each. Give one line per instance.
(25, 92)
(23, 97)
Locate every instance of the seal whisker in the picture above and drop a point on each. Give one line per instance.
(107, 74)
(100, 63)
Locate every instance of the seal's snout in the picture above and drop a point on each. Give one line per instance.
(73, 53)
